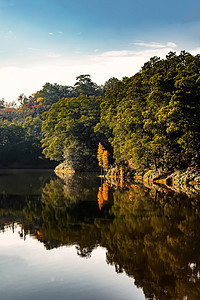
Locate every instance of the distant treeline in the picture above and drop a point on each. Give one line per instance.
(150, 120)
(21, 129)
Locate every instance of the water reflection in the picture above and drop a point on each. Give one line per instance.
(102, 195)
(151, 234)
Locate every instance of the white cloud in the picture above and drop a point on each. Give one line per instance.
(29, 80)
(10, 35)
(195, 51)
(78, 52)
(151, 49)
(122, 53)
(53, 55)
(32, 49)
(56, 33)
(156, 45)
(63, 70)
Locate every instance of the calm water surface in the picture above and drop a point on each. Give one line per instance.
(75, 237)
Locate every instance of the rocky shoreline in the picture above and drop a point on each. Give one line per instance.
(64, 167)
(179, 181)
(190, 176)
(187, 176)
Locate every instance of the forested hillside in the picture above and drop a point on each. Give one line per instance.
(68, 132)
(24, 144)
(148, 121)
(152, 119)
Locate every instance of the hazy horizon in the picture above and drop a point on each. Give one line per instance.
(55, 41)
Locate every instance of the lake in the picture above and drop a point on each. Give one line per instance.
(77, 237)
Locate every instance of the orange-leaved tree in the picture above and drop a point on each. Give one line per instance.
(102, 194)
(100, 155)
(100, 197)
(105, 191)
(105, 160)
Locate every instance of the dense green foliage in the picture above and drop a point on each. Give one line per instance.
(20, 125)
(51, 93)
(20, 143)
(68, 131)
(152, 119)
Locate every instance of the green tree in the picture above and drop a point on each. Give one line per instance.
(151, 119)
(68, 131)
(109, 83)
(51, 93)
(12, 143)
(84, 85)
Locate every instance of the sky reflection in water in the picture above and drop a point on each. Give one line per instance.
(29, 271)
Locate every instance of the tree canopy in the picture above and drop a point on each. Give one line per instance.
(68, 131)
(152, 119)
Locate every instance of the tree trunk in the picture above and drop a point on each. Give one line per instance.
(155, 164)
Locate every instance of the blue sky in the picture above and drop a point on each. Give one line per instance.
(56, 40)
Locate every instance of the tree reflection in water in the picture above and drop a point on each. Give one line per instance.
(152, 235)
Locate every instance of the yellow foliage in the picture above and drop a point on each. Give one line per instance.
(105, 160)
(105, 191)
(121, 182)
(131, 164)
(100, 155)
(100, 197)
(121, 171)
(131, 195)
(40, 99)
(103, 194)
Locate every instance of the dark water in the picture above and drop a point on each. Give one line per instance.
(76, 238)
